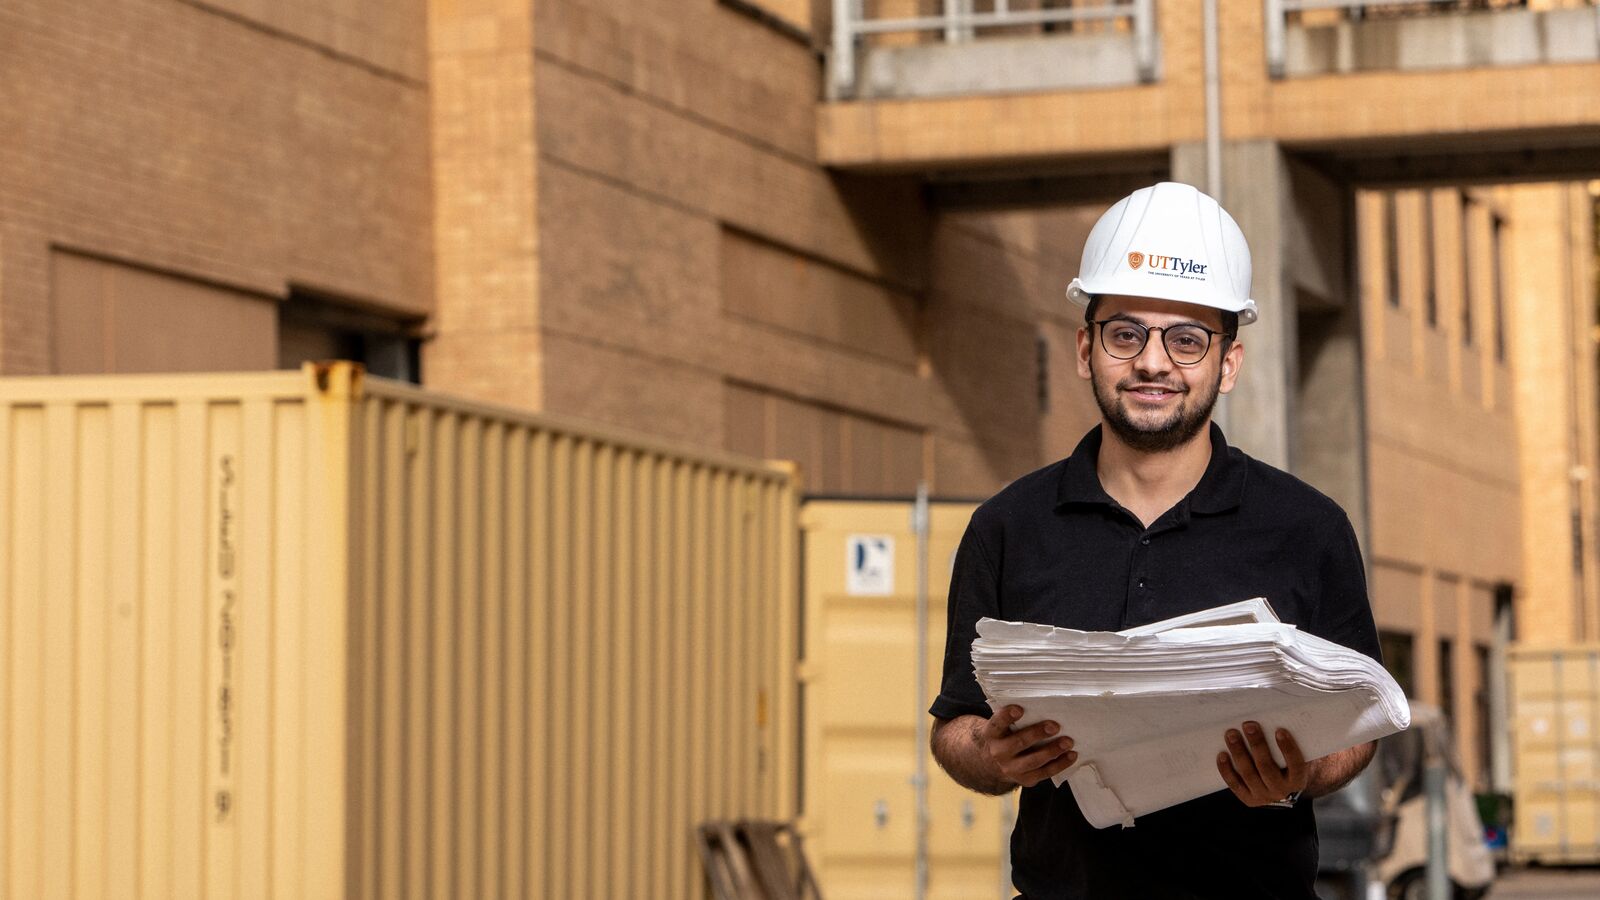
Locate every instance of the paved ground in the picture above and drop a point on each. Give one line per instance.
(1547, 884)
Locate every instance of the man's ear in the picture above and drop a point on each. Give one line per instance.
(1085, 348)
(1231, 361)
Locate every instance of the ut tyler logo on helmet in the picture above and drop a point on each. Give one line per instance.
(1135, 259)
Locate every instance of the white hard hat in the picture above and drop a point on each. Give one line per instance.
(1170, 242)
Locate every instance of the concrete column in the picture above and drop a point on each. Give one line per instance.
(1551, 380)
(1468, 684)
(486, 236)
(1256, 192)
(1425, 644)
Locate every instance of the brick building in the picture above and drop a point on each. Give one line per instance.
(740, 224)
(193, 185)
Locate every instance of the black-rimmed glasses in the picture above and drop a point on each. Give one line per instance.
(1186, 344)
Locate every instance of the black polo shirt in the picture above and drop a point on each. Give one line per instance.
(1053, 547)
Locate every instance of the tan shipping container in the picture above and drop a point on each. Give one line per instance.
(1555, 708)
(306, 634)
(861, 740)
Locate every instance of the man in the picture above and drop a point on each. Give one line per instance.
(1152, 516)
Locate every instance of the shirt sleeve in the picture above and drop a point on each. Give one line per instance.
(1344, 611)
(974, 593)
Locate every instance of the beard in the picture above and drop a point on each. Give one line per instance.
(1163, 432)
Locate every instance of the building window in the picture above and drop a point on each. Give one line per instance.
(1481, 703)
(1466, 270)
(1397, 658)
(313, 328)
(1391, 248)
(1447, 682)
(1498, 288)
(1430, 290)
(1042, 354)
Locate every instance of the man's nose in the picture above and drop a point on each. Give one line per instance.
(1153, 359)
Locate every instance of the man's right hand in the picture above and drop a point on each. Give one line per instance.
(986, 756)
(1014, 754)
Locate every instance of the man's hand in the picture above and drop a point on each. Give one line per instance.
(1014, 754)
(986, 756)
(1249, 771)
(1247, 766)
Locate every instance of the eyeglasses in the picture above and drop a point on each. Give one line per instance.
(1125, 339)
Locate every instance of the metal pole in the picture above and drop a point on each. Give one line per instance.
(1275, 37)
(1213, 104)
(919, 524)
(1144, 31)
(957, 21)
(1499, 706)
(843, 70)
(1433, 783)
(1008, 814)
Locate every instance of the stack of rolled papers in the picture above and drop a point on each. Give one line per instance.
(1147, 708)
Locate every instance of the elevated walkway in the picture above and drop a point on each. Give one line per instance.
(996, 103)
(996, 85)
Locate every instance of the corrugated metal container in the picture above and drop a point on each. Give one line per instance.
(308, 635)
(1555, 707)
(861, 740)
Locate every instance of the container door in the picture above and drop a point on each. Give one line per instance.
(861, 711)
(1556, 711)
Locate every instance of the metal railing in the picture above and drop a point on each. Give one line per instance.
(961, 20)
(1279, 11)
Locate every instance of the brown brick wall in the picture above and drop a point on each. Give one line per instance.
(689, 245)
(386, 35)
(169, 136)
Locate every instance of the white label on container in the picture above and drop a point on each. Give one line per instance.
(869, 565)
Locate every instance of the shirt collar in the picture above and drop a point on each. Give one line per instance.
(1220, 489)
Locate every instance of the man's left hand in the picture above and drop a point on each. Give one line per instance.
(1249, 770)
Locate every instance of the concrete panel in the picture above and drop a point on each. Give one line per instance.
(1000, 65)
(882, 458)
(774, 285)
(1446, 613)
(810, 435)
(1256, 415)
(112, 318)
(1453, 41)
(744, 420)
(839, 452)
(1396, 598)
(629, 390)
(1072, 410)
(966, 469)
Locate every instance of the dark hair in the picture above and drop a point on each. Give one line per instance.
(1230, 320)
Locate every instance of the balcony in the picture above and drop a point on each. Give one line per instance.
(952, 86)
(887, 49)
(1321, 37)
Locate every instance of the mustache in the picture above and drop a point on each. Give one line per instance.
(1132, 384)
